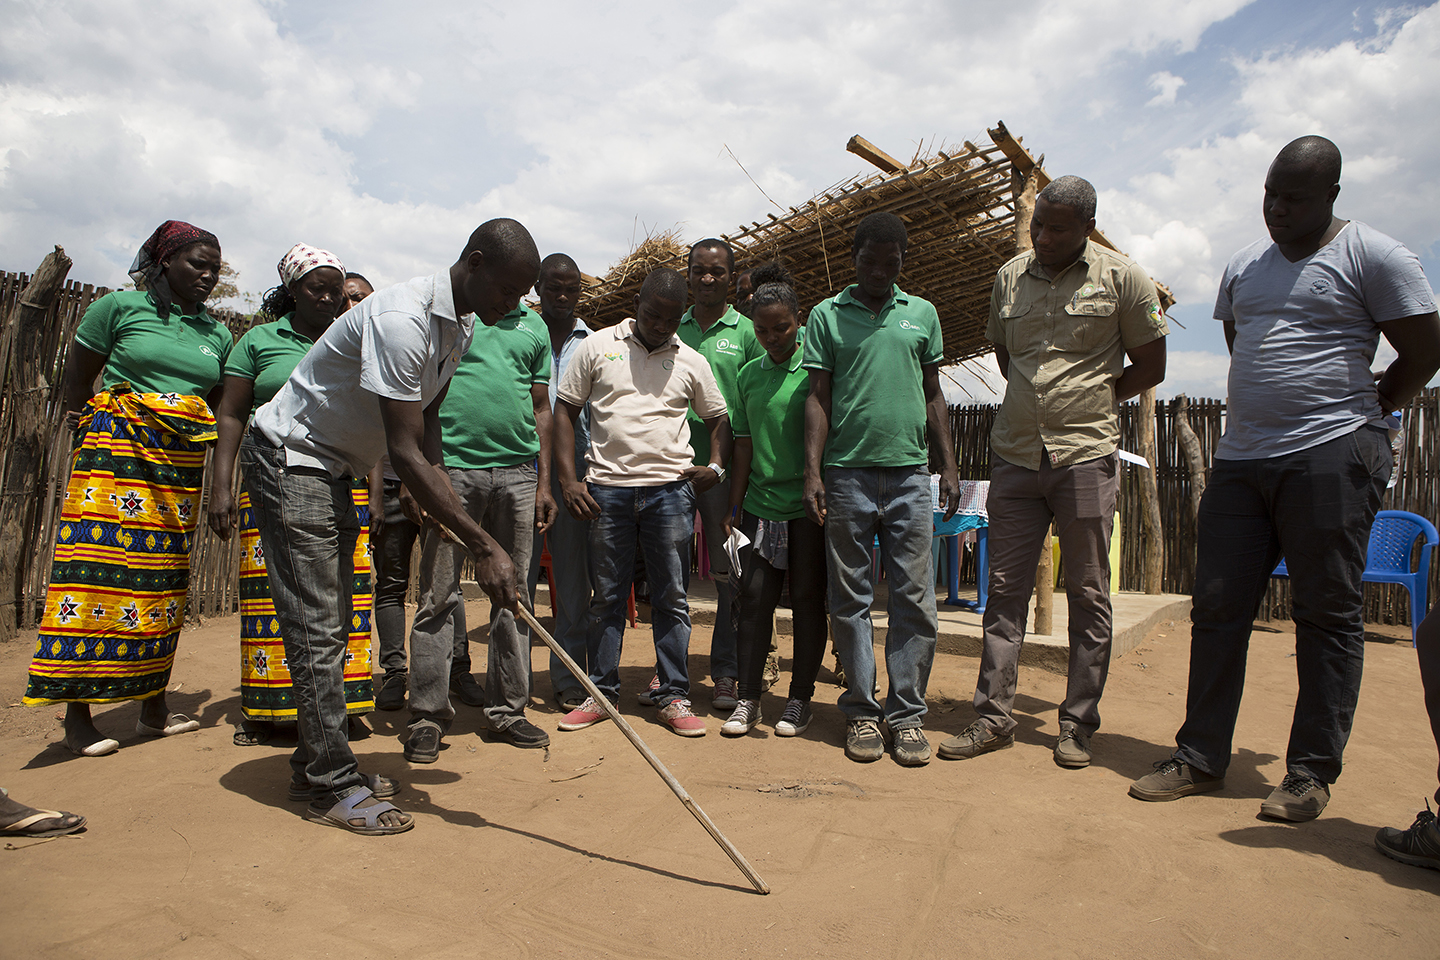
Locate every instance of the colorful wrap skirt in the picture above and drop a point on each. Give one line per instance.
(265, 692)
(116, 598)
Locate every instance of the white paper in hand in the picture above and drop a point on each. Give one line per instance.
(733, 544)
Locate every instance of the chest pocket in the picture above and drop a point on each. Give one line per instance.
(1086, 323)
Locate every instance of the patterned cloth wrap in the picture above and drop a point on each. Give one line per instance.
(265, 690)
(116, 598)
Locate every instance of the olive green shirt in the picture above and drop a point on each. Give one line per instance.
(1067, 339)
(727, 346)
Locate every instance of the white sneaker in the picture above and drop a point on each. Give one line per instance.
(794, 720)
(743, 720)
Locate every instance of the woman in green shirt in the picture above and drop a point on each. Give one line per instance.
(309, 298)
(767, 506)
(116, 598)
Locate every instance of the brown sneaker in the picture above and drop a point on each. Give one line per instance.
(1172, 780)
(974, 740)
(1297, 799)
(1073, 748)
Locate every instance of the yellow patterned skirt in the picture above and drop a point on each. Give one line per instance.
(265, 692)
(116, 598)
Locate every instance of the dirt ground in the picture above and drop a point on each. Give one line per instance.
(192, 849)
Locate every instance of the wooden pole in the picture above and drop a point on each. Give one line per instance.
(27, 432)
(1150, 497)
(1190, 446)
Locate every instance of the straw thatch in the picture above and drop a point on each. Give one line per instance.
(959, 208)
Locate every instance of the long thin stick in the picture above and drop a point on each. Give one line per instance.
(645, 752)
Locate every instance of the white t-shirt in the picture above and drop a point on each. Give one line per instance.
(1305, 336)
(638, 400)
(401, 343)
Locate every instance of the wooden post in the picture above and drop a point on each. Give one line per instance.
(27, 432)
(1150, 497)
(1190, 446)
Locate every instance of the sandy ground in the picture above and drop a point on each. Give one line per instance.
(192, 849)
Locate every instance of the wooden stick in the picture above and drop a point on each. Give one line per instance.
(654, 761)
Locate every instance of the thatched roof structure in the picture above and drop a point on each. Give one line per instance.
(959, 208)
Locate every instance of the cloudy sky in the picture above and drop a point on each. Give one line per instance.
(386, 131)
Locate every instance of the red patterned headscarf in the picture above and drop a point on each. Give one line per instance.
(168, 239)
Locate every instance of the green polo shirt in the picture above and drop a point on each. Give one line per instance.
(179, 354)
(488, 417)
(266, 356)
(770, 410)
(727, 346)
(877, 397)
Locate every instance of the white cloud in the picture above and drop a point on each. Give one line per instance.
(1168, 85)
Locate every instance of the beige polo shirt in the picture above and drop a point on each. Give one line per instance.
(1067, 339)
(638, 403)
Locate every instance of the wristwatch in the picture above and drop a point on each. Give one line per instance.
(719, 471)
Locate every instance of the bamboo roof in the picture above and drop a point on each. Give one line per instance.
(958, 206)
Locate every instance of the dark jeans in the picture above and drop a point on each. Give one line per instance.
(1315, 509)
(760, 586)
(390, 553)
(570, 570)
(661, 520)
(1427, 652)
(308, 529)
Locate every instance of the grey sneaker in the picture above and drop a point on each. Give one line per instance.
(863, 740)
(974, 740)
(1172, 780)
(794, 719)
(743, 720)
(910, 749)
(727, 694)
(1419, 846)
(1073, 748)
(1297, 799)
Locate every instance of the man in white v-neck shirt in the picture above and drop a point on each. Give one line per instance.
(1299, 472)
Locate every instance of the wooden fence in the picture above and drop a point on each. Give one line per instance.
(215, 563)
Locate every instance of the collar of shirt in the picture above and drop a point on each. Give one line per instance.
(730, 318)
(626, 331)
(442, 303)
(1033, 267)
(794, 363)
(847, 296)
(284, 327)
(580, 331)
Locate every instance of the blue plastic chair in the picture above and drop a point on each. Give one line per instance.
(1387, 558)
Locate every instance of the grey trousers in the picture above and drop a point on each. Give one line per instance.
(1081, 501)
(502, 501)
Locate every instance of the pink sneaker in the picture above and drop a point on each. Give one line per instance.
(679, 717)
(587, 714)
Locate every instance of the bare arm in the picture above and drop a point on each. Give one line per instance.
(376, 482)
(720, 440)
(544, 500)
(1417, 341)
(412, 434)
(81, 368)
(937, 426)
(578, 501)
(1146, 369)
(1230, 335)
(817, 431)
(236, 396)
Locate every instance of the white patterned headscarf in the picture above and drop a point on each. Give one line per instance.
(303, 258)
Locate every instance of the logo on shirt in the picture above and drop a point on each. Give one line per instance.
(668, 364)
(1320, 287)
(907, 325)
(208, 352)
(614, 356)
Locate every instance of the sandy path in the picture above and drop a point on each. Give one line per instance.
(193, 851)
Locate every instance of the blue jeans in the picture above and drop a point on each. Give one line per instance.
(308, 528)
(570, 568)
(662, 521)
(1315, 508)
(502, 501)
(894, 504)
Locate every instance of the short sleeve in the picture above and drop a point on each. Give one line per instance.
(540, 366)
(933, 350)
(1141, 319)
(705, 398)
(394, 348)
(1395, 287)
(97, 328)
(1224, 306)
(819, 342)
(994, 329)
(739, 419)
(242, 361)
(575, 382)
